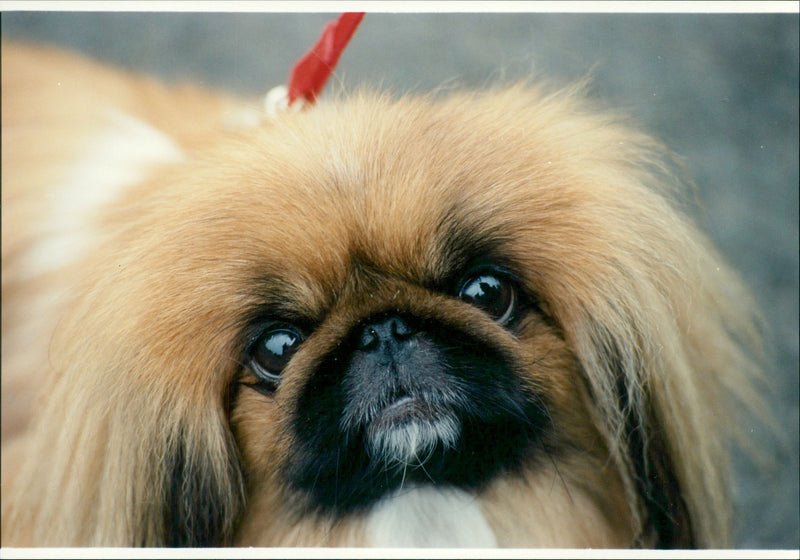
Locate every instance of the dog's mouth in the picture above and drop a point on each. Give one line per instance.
(402, 409)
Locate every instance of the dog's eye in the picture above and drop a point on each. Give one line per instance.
(272, 350)
(492, 293)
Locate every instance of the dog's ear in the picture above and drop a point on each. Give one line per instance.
(668, 340)
(662, 392)
(127, 454)
(666, 355)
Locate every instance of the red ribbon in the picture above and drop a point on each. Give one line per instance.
(310, 73)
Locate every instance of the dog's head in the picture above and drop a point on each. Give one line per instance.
(490, 293)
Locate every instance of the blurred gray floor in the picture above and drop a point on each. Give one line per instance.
(721, 90)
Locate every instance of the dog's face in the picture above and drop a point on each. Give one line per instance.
(403, 339)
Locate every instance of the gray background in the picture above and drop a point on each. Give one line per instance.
(720, 89)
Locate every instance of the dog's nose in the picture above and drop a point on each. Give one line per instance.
(390, 332)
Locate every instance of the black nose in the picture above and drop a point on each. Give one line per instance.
(388, 332)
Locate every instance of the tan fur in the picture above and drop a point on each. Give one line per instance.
(144, 330)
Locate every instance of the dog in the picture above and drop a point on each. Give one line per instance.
(467, 319)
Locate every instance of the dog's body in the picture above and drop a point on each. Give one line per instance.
(490, 326)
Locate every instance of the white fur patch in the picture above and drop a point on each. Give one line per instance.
(412, 442)
(429, 517)
(117, 158)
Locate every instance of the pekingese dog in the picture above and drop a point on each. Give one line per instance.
(473, 319)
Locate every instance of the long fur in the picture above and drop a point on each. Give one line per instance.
(138, 438)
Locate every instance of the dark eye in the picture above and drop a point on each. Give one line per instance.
(491, 292)
(272, 350)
